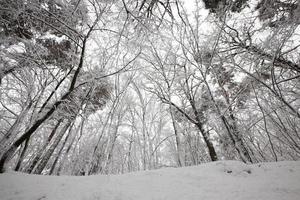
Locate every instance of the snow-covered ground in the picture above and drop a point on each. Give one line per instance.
(213, 181)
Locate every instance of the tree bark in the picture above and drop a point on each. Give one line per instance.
(40, 153)
(8, 154)
(177, 138)
(42, 164)
(59, 153)
(17, 168)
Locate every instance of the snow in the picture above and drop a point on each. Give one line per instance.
(48, 35)
(212, 181)
(17, 48)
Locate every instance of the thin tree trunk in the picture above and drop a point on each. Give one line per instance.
(79, 129)
(129, 162)
(42, 164)
(14, 128)
(8, 154)
(59, 152)
(265, 125)
(17, 168)
(40, 152)
(209, 144)
(111, 149)
(177, 138)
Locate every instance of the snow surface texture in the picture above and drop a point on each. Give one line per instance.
(213, 181)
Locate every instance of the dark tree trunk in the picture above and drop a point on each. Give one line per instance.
(59, 152)
(40, 153)
(8, 154)
(17, 168)
(42, 164)
(199, 124)
(209, 144)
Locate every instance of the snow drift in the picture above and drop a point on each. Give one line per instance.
(213, 181)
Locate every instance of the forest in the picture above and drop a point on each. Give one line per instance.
(116, 86)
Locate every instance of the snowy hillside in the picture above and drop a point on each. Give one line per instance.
(213, 181)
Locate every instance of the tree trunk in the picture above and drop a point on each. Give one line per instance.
(8, 154)
(232, 129)
(59, 153)
(17, 168)
(177, 138)
(40, 152)
(14, 128)
(42, 164)
(110, 151)
(209, 144)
